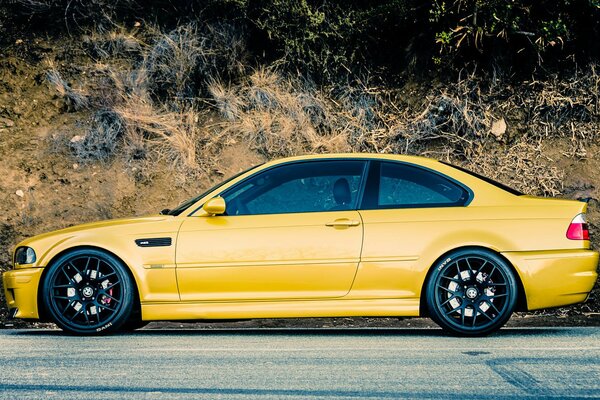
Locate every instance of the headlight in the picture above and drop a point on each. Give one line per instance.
(25, 255)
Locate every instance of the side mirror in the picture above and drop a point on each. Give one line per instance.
(214, 206)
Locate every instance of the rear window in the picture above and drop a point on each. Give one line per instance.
(486, 179)
(400, 185)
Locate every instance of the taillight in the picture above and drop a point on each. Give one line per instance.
(578, 230)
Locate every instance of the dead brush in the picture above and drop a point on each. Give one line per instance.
(227, 100)
(184, 61)
(177, 137)
(449, 120)
(114, 43)
(523, 166)
(102, 138)
(75, 99)
(173, 60)
(277, 116)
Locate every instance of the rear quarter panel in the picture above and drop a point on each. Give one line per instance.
(401, 245)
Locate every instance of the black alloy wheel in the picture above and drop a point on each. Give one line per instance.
(471, 292)
(88, 292)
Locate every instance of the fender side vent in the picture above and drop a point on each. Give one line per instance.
(153, 242)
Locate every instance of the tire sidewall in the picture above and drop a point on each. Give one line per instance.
(440, 265)
(126, 305)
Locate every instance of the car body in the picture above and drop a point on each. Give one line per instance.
(325, 236)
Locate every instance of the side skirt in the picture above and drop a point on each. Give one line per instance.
(281, 309)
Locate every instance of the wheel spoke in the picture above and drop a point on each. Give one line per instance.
(481, 267)
(452, 310)
(87, 265)
(468, 264)
(484, 314)
(474, 316)
(112, 286)
(495, 308)
(66, 275)
(108, 275)
(110, 297)
(75, 268)
(448, 300)
(492, 273)
(87, 319)
(106, 307)
(452, 279)
(66, 308)
(439, 286)
(77, 312)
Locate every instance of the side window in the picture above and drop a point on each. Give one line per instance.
(314, 186)
(403, 186)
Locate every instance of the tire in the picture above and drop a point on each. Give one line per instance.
(88, 292)
(471, 292)
(133, 323)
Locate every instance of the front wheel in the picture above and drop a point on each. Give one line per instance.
(471, 293)
(88, 292)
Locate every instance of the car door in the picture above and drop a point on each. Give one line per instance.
(406, 211)
(289, 232)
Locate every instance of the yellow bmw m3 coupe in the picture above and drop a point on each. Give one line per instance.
(316, 236)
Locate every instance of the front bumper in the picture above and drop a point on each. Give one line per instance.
(21, 290)
(555, 278)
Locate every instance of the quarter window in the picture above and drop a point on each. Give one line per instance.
(315, 186)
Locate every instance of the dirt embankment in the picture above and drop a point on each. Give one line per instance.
(85, 136)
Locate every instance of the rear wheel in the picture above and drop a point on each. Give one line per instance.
(88, 292)
(471, 292)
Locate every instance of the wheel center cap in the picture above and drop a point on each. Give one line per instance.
(88, 291)
(471, 293)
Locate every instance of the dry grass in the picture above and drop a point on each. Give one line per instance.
(161, 106)
(75, 99)
(116, 43)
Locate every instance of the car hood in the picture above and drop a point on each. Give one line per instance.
(44, 241)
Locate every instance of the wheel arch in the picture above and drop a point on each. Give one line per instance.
(42, 312)
(521, 296)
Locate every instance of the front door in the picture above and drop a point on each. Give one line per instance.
(289, 232)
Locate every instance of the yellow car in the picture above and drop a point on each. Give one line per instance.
(316, 236)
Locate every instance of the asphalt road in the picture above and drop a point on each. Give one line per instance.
(301, 364)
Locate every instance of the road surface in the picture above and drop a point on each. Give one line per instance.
(301, 364)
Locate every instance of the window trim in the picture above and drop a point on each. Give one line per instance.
(359, 197)
(486, 179)
(373, 181)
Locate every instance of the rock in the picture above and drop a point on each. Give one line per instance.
(6, 123)
(20, 193)
(77, 138)
(499, 128)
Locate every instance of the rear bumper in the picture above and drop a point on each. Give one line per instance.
(555, 278)
(20, 291)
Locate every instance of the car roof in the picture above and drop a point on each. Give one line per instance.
(396, 157)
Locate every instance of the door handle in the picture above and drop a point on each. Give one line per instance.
(343, 222)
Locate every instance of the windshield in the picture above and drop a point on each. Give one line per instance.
(186, 204)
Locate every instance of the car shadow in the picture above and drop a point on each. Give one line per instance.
(372, 331)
